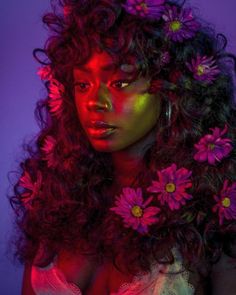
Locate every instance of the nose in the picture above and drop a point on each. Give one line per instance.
(101, 101)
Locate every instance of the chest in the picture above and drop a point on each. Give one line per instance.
(107, 280)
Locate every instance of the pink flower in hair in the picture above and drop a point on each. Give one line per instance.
(56, 91)
(67, 9)
(45, 73)
(48, 149)
(171, 186)
(179, 25)
(32, 187)
(152, 9)
(213, 147)
(134, 211)
(226, 202)
(204, 68)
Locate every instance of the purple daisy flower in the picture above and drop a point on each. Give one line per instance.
(134, 211)
(179, 25)
(212, 147)
(152, 9)
(226, 202)
(204, 68)
(171, 187)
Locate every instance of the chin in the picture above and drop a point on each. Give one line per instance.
(107, 147)
(101, 146)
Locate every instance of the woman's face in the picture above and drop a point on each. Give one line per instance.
(113, 105)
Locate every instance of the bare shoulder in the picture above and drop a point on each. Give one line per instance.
(26, 284)
(223, 276)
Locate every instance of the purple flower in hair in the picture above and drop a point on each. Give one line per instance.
(226, 202)
(179, 25)
(203, 68)
(152, 9)
(134, 211)
(212, 147)
(171, 186)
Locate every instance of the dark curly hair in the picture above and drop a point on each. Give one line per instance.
(72, 203)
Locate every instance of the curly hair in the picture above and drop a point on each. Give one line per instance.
(71, 206)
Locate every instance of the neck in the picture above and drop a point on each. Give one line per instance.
(129, 163)
(127, 168)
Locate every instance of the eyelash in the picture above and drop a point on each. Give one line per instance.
(121, 82)
(82, 85)
(78, 84)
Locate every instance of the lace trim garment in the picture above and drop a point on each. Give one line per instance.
(51, 281)
(162, 280)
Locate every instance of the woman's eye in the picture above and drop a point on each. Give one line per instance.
(82, 86)
(120, 84)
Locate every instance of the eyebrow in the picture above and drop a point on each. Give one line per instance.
(105, 68)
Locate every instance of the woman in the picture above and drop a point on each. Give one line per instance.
(130, 187)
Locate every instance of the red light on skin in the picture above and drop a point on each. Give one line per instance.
(106, 93)
(100, 133)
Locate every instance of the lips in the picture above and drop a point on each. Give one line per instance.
(100, 129)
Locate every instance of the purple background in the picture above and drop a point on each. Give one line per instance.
(20, 32)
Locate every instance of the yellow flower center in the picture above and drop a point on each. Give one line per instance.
(211, 146)
(226, 202)
(170, 187)
(144, 6)
(175, 25)
(200, 70)
(137, 211)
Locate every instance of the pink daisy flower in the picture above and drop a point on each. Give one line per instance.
(152, 9)
(56, 91)
(67, 9)
(179, 25)
(32, 188)
(226, 202)
(212, 147)
(48, 149)
(203, 68)
(45, 73)
(171, 186)
(134, 211)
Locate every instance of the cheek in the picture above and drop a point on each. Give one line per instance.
(143, 104)
(143, 109)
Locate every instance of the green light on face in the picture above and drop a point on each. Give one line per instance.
(141, 102)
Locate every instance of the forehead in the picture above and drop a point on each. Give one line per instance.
(104, 62)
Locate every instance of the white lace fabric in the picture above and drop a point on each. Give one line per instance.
(162, 280)
(51, 281)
